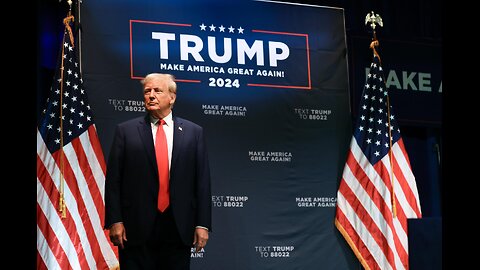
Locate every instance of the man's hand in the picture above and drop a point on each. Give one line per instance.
(117, 234)
(200, 239)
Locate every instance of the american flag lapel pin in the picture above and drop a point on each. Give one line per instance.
(180, 128)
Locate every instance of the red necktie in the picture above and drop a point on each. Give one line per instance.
(161, 153)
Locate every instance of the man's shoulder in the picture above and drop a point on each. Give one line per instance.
(184, 122)
(134, 121)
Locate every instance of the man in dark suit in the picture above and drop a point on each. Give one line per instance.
(156, 223)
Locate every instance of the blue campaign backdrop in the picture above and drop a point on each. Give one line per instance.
(269, 83)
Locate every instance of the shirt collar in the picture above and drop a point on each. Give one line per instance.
(168, 119)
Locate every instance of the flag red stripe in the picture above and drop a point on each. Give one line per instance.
(40, 263)
(383, 171)
(398, 201)
(96, 182)
(383, 206)
(401, 247)
(404, 151)
(70, 226)
(95, 142)
(54, 195)
(371, 190)
(52, 240)
(368, 222)
(110, 252)
(384, 175)
(410, 196)
(88, 175)
(72, 183)
(354, 240)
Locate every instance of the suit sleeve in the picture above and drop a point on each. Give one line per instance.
(204, 203)
(113, 179)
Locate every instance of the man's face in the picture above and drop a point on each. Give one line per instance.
(157, 97)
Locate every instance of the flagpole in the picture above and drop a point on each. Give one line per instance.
(79, 43)
(61, 203)
(373, 19)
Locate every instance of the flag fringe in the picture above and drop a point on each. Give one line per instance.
(351, 244)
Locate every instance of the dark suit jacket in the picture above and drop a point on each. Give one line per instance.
(131, 187)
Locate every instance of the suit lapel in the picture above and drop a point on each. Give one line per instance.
(178, 135)
(145, 131)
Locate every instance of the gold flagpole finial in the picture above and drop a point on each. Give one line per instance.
(372, 20)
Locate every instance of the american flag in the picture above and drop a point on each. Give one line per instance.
(373, 204)
(70, 169)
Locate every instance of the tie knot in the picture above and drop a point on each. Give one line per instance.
(161, 122)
